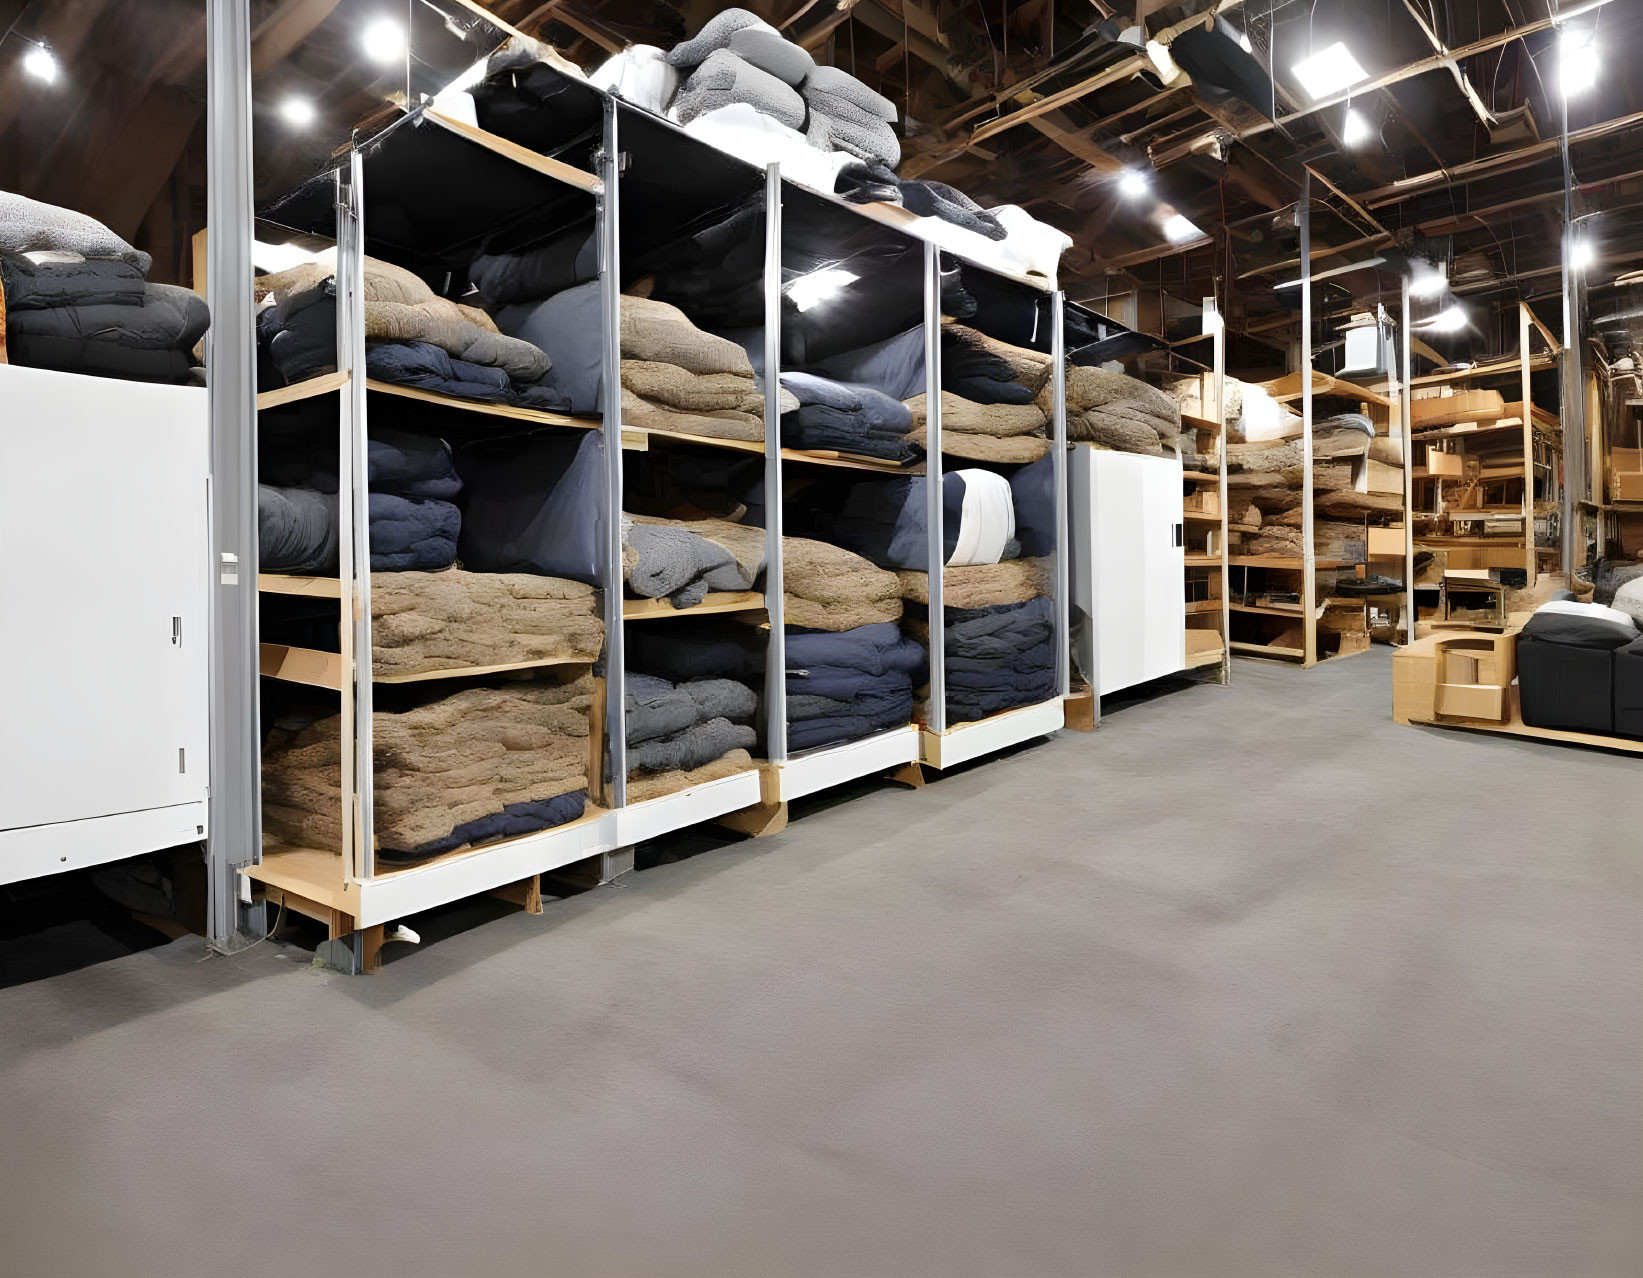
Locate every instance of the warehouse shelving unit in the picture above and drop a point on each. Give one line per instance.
(346, 886)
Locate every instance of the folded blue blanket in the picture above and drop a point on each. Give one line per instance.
(886, 520)
(518, 523)
(894, 367)
(999, 658)
(515, 820)
(31, 287)
(428, 367)
(298, 532)
(396, 461)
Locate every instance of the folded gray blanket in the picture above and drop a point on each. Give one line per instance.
(30, 286)
(714, 35)
(170, 318)
(843, 87)
(29, 226)
(656, 709)
(691, 748)
(937, 199)
(673, 560)
(765, 48)
(835, 126)
(725, 79)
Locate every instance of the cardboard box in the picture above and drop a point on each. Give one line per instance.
(1626, 486)
(1626, 459)
(1384, 478)
(1462, 406)
(1386, 542)
(1448, 465)
(1466, 675)
(1472, 701)
(1203, 501)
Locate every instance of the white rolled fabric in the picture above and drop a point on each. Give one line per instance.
(987, 519)
(641, 75)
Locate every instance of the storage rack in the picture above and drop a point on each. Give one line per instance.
(345, 885)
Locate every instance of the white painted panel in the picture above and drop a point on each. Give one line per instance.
(31, 851)
(1123, 562)
(1162, 604)
(102, 544)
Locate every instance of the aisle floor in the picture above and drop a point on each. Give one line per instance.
(1250, 982)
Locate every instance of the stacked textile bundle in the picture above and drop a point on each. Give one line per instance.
(1119, 412)
(452, 772)
(675, 377)
(681, 734)
(414, 525)
(451, 620)
(828, 588)
(413, 337)
(682, 560)
(1007, 433)
(846, 417)
(845, 115)
(887, 520)
(988, 371)
(999, 635)
(73, 297)
(848, 684)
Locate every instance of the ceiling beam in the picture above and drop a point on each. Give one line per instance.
(282, 31)
(1124, 70)
(1486, 117)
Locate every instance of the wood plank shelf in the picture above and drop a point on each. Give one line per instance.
(1203, 561)
(640, 440)
(312, 387)
(1287, 562)
(1200, 477)
(569, 174)
(1199, 517)
(536, 416)
(470, 672)
(320, 669)
(849, 461)
(1192, 422)
(1268, 650)
(273, 583)
(1204, 657)
(716, 601)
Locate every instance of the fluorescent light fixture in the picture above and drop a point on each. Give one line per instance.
(299, 113)
(1355, 130)
(1449, 320)
(818, 286)
(383, 40)
(1331, 70)
(1177, 230)
(1133, 184)
(1577, 63)
(1427, 281)
(40, 63)
(1582, 253)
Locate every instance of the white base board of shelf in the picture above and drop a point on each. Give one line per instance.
(966, 741)
(32, 851)
(704, 802)
(834, 765)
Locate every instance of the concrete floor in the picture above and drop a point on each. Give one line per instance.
(1250, 982)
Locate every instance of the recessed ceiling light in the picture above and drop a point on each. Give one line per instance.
(40, 63)
(1133, 184)
(1330, 70)
(1577, 63)
(299, 113)
(1178, 230)
(1355, 130)
(383, 40)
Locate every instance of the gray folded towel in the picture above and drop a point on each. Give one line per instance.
(714, 35)
(656, 709)
(725, 79)
(721, 699)
(937, 199)
(765, 49)
(691, 748)
(856, 134)
(841, 84)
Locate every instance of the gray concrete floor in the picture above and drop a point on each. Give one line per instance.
(1250, 982)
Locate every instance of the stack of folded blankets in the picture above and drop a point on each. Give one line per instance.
(681, 734)
(887, 520)
(846, 417)
(414, 524)
(427, 621)
(452, 772)
(683, 560)
(999, 635)
(675, 377)
(1119, 412)
(994, 398)
(73, 297)
(413, 337)
(825, 587)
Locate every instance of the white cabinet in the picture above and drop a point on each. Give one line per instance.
(1127, 565)
(103, 619)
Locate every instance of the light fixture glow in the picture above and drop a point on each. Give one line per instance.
(1243, 42)
(818, 286)
(383, 40)
(1427, 281)
(1577, 64)
(1449, 320)
(1329, 71)
(1355, 130)
(1161, 61)
(40, 63)
(299, 113)
(1133, 184)
(1582, 253)
(1178, 230)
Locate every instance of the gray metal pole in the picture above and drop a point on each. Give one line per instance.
(936, 543)
(775, 664)
(235, 822)
(1573, 412)
(1058, 450)
(1218, 348)
(1406, 394)
(1309, 558)
(610, 302)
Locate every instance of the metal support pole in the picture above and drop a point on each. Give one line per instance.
(1406, 394)
(234, 827)
(1309, 558)
(610, 303)
(1531, 557)
(1058, 450)
(1216, 327)
(775, 664)
(354, 529)
(936, 545)
(1573, 395)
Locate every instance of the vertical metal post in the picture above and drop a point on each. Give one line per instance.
(234, 827)
(1406, 395)
(610, 304)
(936, 544)
(1572, 397)
(1058, 450)
(1531, 555)
(354, 528)
(775, 662)
(1216, 327)
(1309, 558)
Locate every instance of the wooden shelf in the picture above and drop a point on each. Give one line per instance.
(717, 601)
(849, 461)
(1199, 517)
(324, 384)
(1288, 387)
(273, 583)
(1271, 610)
(640, 440)
(1203, 561)
(1287, 562)
(535, 416)
(1268, 650)
(1205, 657)
(1200, 477)
(569, 174)
(1514, 726)
(1203, 607)
(1507, 368)
(469, 672)
(1192, 422)
(317, 668)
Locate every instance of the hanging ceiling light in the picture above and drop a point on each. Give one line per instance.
(40, 63)
(1329, 71)
(299, 113)
(1449, 320)
(1582, 253)
(1355, 130)
(383, 40)
(1133, 184)
(1577, 63)
(1427, 281)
